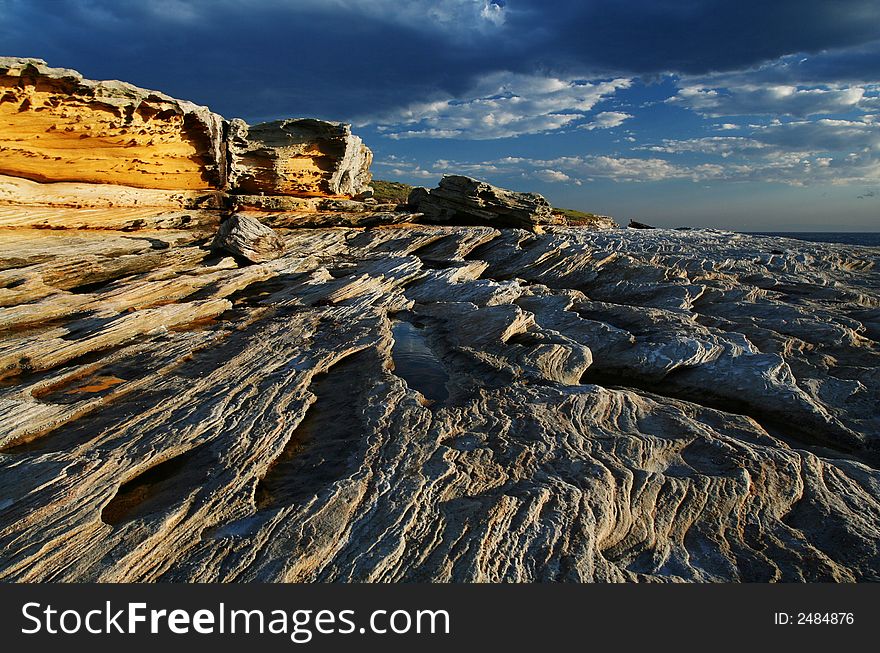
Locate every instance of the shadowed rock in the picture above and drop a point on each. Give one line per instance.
(463, 200)
(247, 237)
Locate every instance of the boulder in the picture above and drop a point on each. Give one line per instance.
(638, 225)
(303, 157)
(56, 126)
(462, 200)
(249, 238)
(603, 222)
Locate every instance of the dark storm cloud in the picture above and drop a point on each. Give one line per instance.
(343, 58)
(697, 36)
(251, 59)
(853, 65)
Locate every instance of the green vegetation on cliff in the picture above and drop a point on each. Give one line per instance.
(390, 192)
(576, 217)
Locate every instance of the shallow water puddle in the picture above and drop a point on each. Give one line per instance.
(416, 363)
(326, 445)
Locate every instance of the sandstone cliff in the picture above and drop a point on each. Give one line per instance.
(301, 157)
(145, 148)
(57, 126)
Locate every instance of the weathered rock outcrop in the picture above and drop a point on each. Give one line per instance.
(77, 195)
(302, 157)
(462, 200)
(602, 222)
(588, 406)
(589, 220)
(56, 126)
(111, 144)
(246, 236)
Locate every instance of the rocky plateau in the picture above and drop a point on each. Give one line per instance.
(200, 382)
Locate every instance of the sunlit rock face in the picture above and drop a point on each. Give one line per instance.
(302, 157)
(56, 126)
(125, 146)
(597, 406)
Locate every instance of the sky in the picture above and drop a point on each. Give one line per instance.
(736, 114)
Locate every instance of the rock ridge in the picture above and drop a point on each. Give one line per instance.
(618, 406)
(57, 126)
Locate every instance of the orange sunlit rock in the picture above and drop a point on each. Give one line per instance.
(56, 126)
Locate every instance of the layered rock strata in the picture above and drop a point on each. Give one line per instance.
(617, 406)
(56, 126)
(99, 144)
(463, 200)
(303, 157)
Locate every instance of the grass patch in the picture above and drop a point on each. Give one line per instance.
(390, 192)
(574, 217)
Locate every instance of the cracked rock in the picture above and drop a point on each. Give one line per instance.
(463, 200)
(249, 238)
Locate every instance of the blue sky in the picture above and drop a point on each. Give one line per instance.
(723, 113)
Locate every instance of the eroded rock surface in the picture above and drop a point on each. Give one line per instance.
(56, 126)
(302, 157)
(463, 200)
(617, 406)
(66, 141)
(245, 236)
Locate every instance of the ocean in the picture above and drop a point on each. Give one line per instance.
(870, 238)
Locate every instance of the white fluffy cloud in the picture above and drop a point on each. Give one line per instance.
(724, 146)
(552, 176)
(824, 135)
(802, 133)
(566, 169)
(502, 105)
(805, 142)
(801, 136)
(797, 152)
(768, 99)
(606, 120)
(425, 133)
